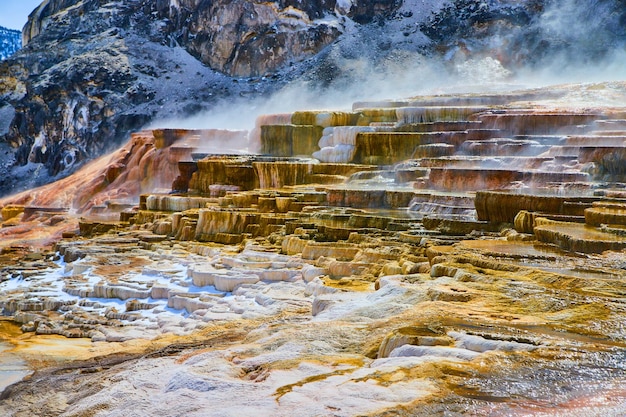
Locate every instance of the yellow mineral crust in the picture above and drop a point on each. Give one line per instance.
(403, 288)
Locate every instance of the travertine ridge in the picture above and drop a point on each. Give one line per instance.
(388, 282)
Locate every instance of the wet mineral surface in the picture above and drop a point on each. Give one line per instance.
(443, 255)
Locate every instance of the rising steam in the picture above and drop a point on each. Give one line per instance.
(571, 41)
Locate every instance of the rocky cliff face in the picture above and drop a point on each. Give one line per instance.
(93, 70)
(10, 42)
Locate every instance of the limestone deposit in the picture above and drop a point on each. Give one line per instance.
(364, 274)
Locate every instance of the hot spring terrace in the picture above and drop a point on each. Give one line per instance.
(406, 175)
(430, 250)
(443, 165)
(423, 167)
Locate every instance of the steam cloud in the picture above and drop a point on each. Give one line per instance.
(571, 41)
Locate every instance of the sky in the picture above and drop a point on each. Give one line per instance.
(14, 13)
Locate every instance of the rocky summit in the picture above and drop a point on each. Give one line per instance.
(450, 254)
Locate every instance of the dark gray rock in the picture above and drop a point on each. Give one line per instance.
(10, 42)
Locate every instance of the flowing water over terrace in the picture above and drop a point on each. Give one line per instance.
(441, 255)
(12, 367)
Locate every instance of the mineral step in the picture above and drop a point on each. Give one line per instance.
(608, 212)
(578, 237)
(502, 147)
(594, 140)
(164, 138)
(609, 159)
(425, 114)
(486, 162)
(532, 122)
(448, 100)
(502, 206)
(610, 124)
(32, 211)
(543, 139)
(448, 126)
(468, 179)
(563, 151)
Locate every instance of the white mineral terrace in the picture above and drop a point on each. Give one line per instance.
(299, 358)
(402, 258)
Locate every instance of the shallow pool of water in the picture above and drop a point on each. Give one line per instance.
(12, 367)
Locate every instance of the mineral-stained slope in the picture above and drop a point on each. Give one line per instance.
(474, 268)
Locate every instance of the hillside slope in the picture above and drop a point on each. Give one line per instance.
(93, 70)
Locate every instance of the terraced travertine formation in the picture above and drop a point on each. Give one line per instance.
(443, 255)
